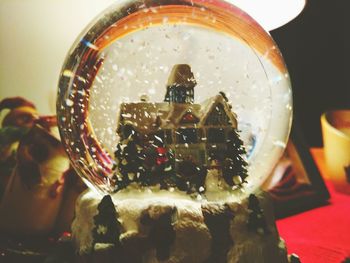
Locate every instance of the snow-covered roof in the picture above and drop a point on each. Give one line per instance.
(148, 117)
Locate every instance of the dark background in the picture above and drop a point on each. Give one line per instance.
(316, 49)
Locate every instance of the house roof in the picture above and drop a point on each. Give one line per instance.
(177, 111)
(149, 117)
(142, 115)
(209, 104)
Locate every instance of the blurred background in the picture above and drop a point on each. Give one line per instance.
(315, 46)
(316, 49)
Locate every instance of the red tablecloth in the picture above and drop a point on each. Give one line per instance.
(321, 235)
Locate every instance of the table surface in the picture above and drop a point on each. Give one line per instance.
(320, 235)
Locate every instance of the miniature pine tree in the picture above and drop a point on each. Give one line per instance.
(234, 165)
(256, 219)
(107, 227)
(191, 176)
(159, 163)
(129, 158)
(165, 169)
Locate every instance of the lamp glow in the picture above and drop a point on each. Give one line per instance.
(271, 14)
(39, 33)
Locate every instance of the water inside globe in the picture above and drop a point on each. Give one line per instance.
(174, 96)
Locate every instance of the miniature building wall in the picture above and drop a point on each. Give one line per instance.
(196, 131)
(190, 130)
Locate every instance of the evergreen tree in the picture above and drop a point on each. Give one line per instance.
(256, 219)
(148, 164)
(107, 226)
(159, 164)
(129, 158)
(191, 176)
(234, 165)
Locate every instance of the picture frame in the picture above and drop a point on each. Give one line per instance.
(296, 185)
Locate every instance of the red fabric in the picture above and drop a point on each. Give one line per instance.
(321, 235)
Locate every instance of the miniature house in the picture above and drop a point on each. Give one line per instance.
(193, 131)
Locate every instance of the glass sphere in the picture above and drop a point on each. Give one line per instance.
(175, 94)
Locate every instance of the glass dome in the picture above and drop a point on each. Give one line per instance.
(177, 95)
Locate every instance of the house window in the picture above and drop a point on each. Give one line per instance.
(216, 135)
(188, 135)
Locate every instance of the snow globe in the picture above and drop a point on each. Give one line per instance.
(173, 112)
(174, 96)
